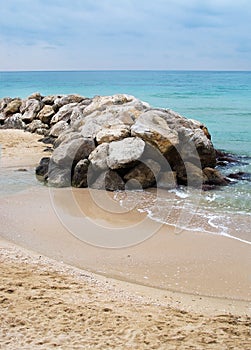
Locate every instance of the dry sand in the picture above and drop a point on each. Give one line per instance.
(46, 304)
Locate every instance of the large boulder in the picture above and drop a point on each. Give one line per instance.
(30, 109)
(80, 174)
(37, 126)
(143, 175)
(67, 99)
(108, 180)
(58, 128)
(152, 127)
(190, 175)
(124, 153)
(67, 154)
(113, 133)
(167, 180)
(64, 113)
(98, 156)
(13, 107)
(46, 113)
(14, 122)
(43, 168)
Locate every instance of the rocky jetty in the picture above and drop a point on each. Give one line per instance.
(115, 142)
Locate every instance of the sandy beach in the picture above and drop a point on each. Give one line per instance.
(57, 291)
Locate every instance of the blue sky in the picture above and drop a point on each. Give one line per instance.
(128, 34)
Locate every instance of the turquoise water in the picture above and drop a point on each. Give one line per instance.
(222, 100)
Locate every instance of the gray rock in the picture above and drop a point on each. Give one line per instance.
(35, 125)
(2, 117)
(190, 175)
(59, 176)
(152, 127)
(109, 180)
(35, 96)
(43, 168)
(167, 180)
(46, 113)
(14, 122)
(98, 156)
(80, 174)
(113, 133)
(30, 109)
(49, 100)
(4, 102)
(66, 136)
(143, 175)
(13, 107)
(59, 128)
(76, 115)
(67, 154)
(196, 147)
(123, 153)
(64, 113)
(67, 99)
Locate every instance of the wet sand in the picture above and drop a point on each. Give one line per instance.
(196, 276)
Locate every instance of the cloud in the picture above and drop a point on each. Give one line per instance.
(160, 34)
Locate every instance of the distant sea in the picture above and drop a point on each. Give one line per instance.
(220, 99)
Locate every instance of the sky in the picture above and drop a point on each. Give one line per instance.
(127, 34)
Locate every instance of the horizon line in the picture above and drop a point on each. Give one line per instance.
(123, 70)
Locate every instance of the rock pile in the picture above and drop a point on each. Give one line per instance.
(114, 142)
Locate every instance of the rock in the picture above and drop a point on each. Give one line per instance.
(67, 154)
(213, 177)
(101, 102)
(195, 147)
(46, 113)
(125, 152)
(35, 96)
(64, 113)
(80, 174)
(58, 128)
(49, 100)
(167, 180)
(43, 168)
(4, 102)
(14, 122)
(59, 176)
(76, 115)
(36, 125)
(240, 175)
(143, 175)
(98, 156)
(115, 132)
(68, 99)
(152, 127)
(190, 175)
(30, 109)
(109, 180)
(66, 136)
(13, 107)
(47, 140)
(2, 118)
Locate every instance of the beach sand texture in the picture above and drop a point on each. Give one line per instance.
(47, 304)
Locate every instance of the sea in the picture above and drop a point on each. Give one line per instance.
(219, 99)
